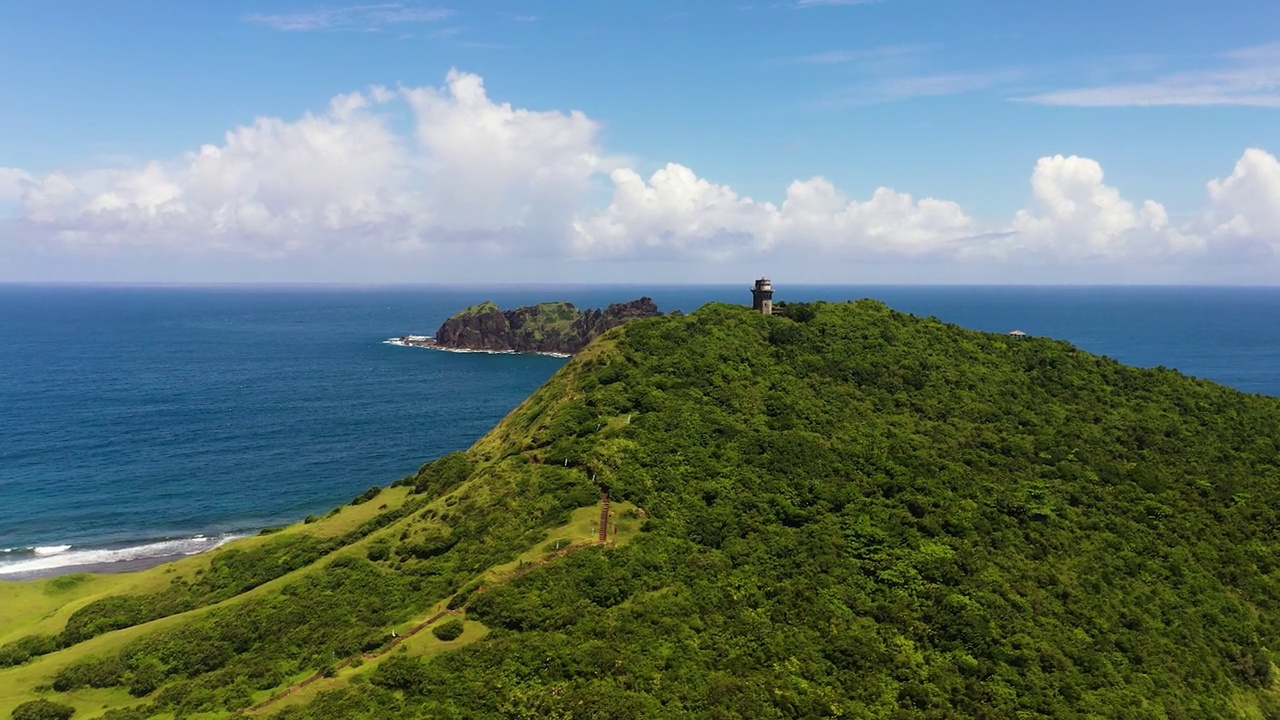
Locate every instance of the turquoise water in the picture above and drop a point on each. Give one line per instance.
(147, 421)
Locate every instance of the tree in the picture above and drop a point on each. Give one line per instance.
(448, 631)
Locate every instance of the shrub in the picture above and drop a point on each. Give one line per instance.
(145, 678)
(379, 551)
(434, 542)
(42, 710)
(367, 495)
(399, 672)
(23, 649)
(105, 615)
(463, 595)
(801, 312)
(64, 583)
(442, 475)
(90, 672)
(448, 631)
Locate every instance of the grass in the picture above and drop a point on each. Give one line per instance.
(88, 702)
(579, 530)
(510, 435)
(483, 308)
(424, 644)
(349, 517)
(43, 606)
(16, 681)
(30, 606)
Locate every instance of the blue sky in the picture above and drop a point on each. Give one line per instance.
(967, 103)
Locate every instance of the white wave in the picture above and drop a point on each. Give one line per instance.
(471, 350)
(66, 557)
(410, 341)
(48, 550)
(425, 341)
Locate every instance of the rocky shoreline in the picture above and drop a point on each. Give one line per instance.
(429, 342)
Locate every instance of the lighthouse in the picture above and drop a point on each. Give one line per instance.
(762, 296)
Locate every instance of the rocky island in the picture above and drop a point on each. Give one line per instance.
(553, 328)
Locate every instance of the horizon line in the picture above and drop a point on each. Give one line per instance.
(636, 284)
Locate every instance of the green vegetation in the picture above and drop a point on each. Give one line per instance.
(557, 327)
(42, 710)
(366, 496)
(447, 631)
(229, 573)
(483, 308)
(846, 511)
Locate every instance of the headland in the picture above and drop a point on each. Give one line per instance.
(553, 328)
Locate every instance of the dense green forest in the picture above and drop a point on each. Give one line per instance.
(845, 511)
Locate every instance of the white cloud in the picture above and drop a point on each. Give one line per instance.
(265, 187)
(1249, 77)
(900, 88)
(354, 17)
(473, 175)
(831, 3)
(673, 211)
(473, 169)
(1077, 216)
(492, 164)
(676, 212)
(1243, 218)
(866, 55)
(905, 87)
(889, 223)
(12, 181)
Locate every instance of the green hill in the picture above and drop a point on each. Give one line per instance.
(846, 512)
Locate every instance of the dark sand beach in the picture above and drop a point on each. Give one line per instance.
(121, 566)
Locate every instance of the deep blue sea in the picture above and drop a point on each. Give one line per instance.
(149, 421)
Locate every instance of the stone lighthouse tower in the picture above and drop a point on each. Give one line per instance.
(762, 296)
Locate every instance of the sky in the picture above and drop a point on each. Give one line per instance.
(531, 141)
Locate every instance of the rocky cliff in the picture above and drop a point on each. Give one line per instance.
(556, 327)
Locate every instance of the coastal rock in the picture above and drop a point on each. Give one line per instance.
(479, 327)
(554, 327)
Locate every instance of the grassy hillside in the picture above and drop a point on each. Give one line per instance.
(844, 512)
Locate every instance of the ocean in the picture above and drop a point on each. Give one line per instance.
(140, 422)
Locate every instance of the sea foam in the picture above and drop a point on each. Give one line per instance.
(48, 550)
(419, 341)
(51, 557)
